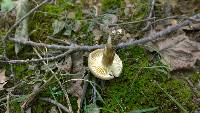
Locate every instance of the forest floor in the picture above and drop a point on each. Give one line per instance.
(158, 75)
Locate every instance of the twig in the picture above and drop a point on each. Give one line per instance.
(58, 40)
(150, 15)
(172, 17)
(54, 46)
(120, 45)
(150, 38)
(35, 93)
(56, 103)
(134, 22)
(84, 90)
(63, 89)
(48, 13)
(38, 60)
(8, 102)
(160, 34)
(20, 20)
(5, 38)
(3, 99)
(193, 88)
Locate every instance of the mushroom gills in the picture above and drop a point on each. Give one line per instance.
(102, 71)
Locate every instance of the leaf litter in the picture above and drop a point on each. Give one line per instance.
(180, 50)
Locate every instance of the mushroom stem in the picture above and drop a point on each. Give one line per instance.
(108, 54)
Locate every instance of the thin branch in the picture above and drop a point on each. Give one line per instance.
(20, 20)
(35, 93)
(38, 60)
(134, 22)
(8, 102)
(5, 38)
(159, 35)
(54, 46)
(150, 16)
(55, 103)
(173, 17)
(136, 42)
(58, 40)
(62, 87)
(120, 45)
(150, 38)
(84, 90)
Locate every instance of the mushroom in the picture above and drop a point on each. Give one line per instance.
(104, 63)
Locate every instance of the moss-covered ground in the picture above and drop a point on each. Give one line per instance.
(139, 86)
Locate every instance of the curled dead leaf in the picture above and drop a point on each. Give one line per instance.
(179, 51)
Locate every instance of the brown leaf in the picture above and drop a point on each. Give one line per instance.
(75, 87)
(65, 66)
(179, 51)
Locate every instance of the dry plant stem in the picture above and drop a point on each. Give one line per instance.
(8, 101)
(159, 35)
(171, 17)
(55, 103)
(150, 19)
(39, 60)
(193, 88)
(134, 22)
(35, 93)
(94, 98)
(144, 40)
(54, 46)
(84, 89)
(152, 37)
(3, 99)
(58, 40)
(20, 20)
(150, 15)
(5, 38)
(62, 87)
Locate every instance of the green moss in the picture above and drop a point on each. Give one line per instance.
(40, 27)
(110, 4)
(73, 101)
(135, 88)
(195, 77)
(15, 107)
(59, 7)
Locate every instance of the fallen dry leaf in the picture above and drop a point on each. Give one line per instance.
(75, 87)
(65, 65)
(179, 51)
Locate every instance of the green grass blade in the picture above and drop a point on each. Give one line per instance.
(173, 99)
(144, 110)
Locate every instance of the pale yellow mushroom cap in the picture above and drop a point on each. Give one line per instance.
(102, 71)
